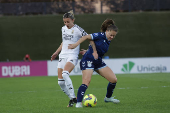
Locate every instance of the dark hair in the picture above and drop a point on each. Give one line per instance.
(69, 14)
(108, 24)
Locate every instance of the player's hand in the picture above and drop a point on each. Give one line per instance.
(72, 46)
(82, 52)
(54, 56)
(95, 55)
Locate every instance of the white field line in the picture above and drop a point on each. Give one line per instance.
(88, 89)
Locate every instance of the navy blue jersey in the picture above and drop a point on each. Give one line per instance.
(101, 42)
(102, 46)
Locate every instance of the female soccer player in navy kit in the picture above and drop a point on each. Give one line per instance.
(89, 64)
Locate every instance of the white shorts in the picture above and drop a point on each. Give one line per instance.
(62, 62)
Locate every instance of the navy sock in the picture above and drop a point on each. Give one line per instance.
(110, 89)
(81, 92)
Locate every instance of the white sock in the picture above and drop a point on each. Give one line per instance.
(61, 83)
(68, 83)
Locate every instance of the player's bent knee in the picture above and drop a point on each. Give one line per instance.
(113, 80)
(65, 74)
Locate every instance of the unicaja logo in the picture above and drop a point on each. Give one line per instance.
(128, 67)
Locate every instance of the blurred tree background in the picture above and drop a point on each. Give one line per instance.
(34, 26)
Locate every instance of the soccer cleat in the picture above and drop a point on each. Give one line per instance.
(111, 99)
(71, 102)
(79, 105)
(75, 100)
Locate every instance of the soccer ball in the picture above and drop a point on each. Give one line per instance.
(89, 100)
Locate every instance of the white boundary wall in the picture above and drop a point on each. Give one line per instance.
(52, 68)
(124, 65)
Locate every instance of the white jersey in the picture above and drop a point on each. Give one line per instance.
(71, 36)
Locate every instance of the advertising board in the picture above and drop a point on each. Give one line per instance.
(19, 69)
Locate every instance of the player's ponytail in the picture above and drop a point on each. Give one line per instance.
(69, 14)
(108, 24)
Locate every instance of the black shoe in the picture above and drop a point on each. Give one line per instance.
(75, 100)
(71, 102)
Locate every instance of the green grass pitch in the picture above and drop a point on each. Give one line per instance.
(138, 93)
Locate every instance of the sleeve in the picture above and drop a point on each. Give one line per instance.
(83, 33)
(94, 36)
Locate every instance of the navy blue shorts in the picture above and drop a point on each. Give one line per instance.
(92, 64)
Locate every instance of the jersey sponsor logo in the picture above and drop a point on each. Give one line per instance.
(89, 63)
(102, 33)
(67, 36)
(95, 34)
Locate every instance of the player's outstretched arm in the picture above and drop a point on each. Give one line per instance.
(72, 46)
(57, 52)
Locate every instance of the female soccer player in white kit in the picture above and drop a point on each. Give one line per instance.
(68, 58)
